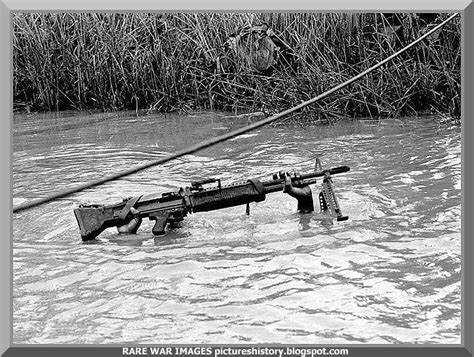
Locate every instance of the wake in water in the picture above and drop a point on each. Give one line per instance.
(391, 274)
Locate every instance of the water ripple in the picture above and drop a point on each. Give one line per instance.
(391, 274)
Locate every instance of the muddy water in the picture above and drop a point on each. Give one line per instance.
(391, 274)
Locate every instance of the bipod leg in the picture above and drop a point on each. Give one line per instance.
(322, 203)
(328, 200)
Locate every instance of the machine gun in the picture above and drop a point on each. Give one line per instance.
(172, 207)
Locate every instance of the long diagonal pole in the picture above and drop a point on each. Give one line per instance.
(213, 141)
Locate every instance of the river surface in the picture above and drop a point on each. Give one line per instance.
(390, 274)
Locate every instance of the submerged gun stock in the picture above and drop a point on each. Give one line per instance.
(172, 207)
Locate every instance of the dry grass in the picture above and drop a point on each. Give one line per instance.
(167, 62)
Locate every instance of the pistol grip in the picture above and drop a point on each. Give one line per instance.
(161, 219)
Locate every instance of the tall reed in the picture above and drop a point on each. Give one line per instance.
(179, 61)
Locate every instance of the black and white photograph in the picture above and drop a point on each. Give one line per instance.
(236, 178)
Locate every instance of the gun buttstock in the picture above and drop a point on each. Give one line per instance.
(92, 221)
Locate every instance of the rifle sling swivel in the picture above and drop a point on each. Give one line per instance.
(128, 206)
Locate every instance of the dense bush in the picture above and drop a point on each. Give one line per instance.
(180, 61)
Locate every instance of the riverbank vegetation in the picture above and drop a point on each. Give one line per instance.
(185, 61)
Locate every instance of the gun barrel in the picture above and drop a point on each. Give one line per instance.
(253, 190)
(333, 171)
(305, 179)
